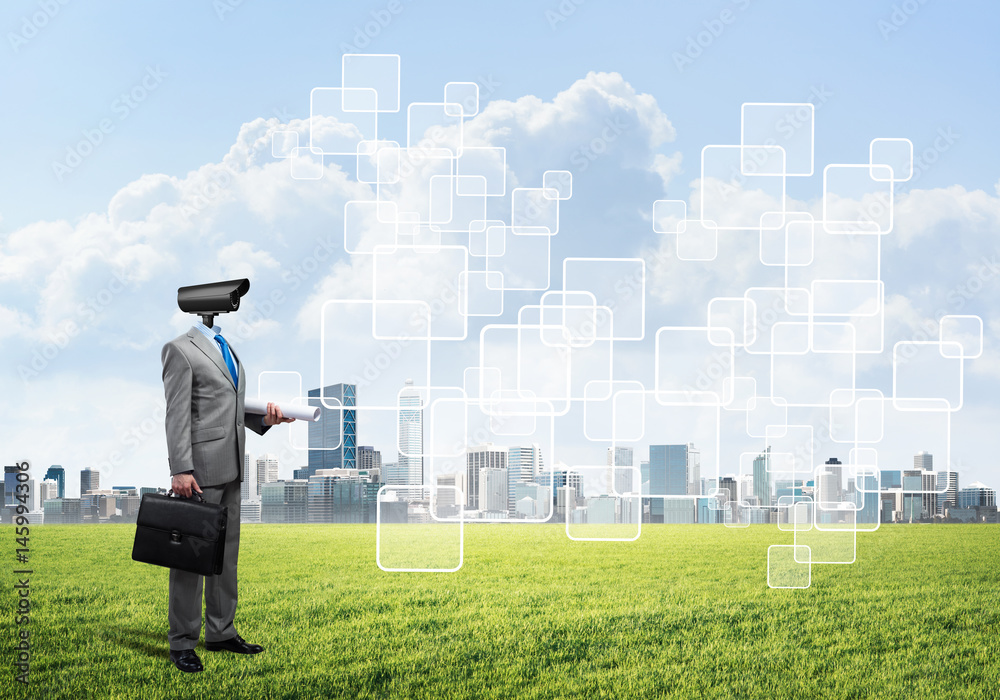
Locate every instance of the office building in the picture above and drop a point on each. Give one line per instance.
(493, 490)
(533, 501)
(762, 477)
(393, 474)
(524, 464)
(63, 511)
(10, 482)
(48, 489)
(58, 474)
(333, 438)
(267, 472)
(410, 433)
(923, 461)
(977, 495)
(90, 480)
(947, 491)
(248, 487)
(369, 458)
(476, 459)
(671, 469)
(342, 496)
(450, 494)
(891, 479)
(250, 511)
(284, 501)
(913, 498)
(620, 480)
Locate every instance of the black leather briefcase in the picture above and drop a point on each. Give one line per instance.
(181, 533)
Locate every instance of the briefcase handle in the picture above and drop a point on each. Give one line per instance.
(193, 494)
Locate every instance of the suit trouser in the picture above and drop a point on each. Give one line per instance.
(184, 608)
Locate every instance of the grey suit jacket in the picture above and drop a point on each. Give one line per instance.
(205, 416)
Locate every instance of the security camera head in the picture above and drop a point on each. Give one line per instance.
(208, 300)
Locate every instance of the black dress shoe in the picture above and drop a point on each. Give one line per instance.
(236, 644)
(186, 660)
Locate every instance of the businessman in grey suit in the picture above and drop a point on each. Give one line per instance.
(204, 384)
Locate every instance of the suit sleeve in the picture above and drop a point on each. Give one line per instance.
(255, 422)
(177, 381)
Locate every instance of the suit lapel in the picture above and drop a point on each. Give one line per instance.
(213, 354)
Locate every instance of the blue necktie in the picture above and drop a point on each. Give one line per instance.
(228, 357)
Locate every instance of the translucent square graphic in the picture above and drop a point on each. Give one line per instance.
(789, 566)
(857, 199)
(669, 215)
(408, 538)
(965, 332)
(596, 511)
(377, 72)
(790, 125)
(895, 154)
(461, 99)
(560, 182)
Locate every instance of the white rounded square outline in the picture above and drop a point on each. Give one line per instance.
(795, 560)
(378, 531)
(941, 323)
(871, 156)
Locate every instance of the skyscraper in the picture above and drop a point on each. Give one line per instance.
(923, 461)
(524, 464)
(267, 471)
(411, 437)
(369, 458)
(620, 479)
(476, 459)
(762, 477)
(48, 489)
(333, 438)
(248, 487)
(58, 474)
(90, 480)
(947, 488)
(493, 494)
(670, 471)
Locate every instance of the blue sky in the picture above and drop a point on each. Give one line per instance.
(873, 69)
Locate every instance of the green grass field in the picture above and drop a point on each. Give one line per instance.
(682, 612)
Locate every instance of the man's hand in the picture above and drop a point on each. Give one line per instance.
(182, 484)
(274, 416)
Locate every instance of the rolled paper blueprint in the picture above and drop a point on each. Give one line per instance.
(309, 413)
